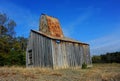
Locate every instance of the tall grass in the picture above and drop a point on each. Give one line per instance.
(99, 72)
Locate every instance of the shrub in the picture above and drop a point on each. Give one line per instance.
(84, 66)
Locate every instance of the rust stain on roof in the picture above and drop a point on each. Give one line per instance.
(50, 27)
(54, 27)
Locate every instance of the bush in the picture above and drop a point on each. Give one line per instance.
(84, 66)
(1, 60)
(16, 58)
(13, 58)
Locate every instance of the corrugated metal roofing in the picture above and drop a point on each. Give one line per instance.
(50, 25)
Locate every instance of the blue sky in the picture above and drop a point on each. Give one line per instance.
(96, 22)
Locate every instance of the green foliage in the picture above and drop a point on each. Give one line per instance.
(84, 66)
(16, 58)
(2, 60)
(12, 49)
(96, 59)
(107, 58)
(13, 52)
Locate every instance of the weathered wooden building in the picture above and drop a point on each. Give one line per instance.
(48, 47)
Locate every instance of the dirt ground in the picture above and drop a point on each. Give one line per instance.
(99, 72)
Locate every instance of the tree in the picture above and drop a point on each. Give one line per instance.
(12, 49)
(23, 42)
(96, 59)
(3, 19)
(10, 28)
(107, 58)
(6, 26)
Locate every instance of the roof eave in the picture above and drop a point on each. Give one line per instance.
(58, 38)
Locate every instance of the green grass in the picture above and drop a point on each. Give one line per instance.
(99, 72)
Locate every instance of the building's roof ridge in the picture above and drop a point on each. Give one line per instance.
(50, 16)
(59, 38)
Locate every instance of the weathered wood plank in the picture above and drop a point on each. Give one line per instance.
(47, 53)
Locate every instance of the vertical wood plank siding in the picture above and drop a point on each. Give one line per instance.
(29, 47)
(46, 52)
(41, 51)
(68, 54)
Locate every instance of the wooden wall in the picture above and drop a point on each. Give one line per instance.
(66, 54)
(41, 51)
(29, 47)
(48, 52)
(86, 56)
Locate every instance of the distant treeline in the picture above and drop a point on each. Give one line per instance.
(12, 48)
(107, 58)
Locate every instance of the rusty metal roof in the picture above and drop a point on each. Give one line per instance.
(52, 25)
(59, 38)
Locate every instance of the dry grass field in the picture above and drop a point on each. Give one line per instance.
(99, 72)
